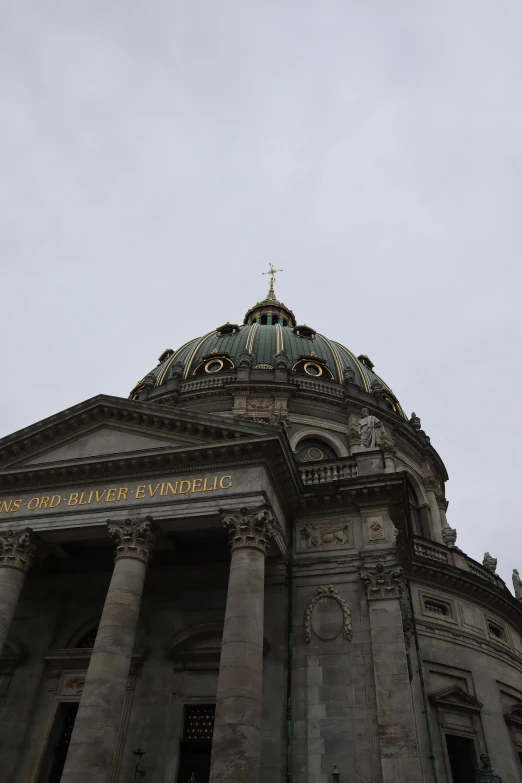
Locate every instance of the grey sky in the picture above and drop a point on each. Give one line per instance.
(156, 156)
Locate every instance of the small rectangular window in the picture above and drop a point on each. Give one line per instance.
(496, 631)
(436, 607)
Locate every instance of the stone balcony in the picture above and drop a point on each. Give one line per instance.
(327, 471)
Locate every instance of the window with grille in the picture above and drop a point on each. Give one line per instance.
(88, 639)
(435, 607)
(199, 722)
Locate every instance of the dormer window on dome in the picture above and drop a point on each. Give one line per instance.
(165, 355)
(227, 328)
(313, 366)
(305, 331)
(214, 363)
(366, 361)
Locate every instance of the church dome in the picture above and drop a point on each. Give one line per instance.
(268, 339)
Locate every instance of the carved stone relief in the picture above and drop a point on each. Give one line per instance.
(375, 526)
(328, 593)
(326, 536)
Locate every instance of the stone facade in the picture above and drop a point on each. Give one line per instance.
(173, 580)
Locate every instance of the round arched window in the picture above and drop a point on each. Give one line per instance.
(214, 365)
(314, 450)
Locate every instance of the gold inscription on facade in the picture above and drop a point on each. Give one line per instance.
(116, 494)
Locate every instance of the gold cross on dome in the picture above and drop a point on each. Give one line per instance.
(272, 272)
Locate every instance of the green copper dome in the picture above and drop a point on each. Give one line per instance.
(269, 330)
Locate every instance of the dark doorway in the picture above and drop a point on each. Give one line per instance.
(195, 747)
(59, 742)
(462, 759)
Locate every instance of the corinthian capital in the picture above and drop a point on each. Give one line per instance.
(248, 528)
(133, 538)
(383, 584)
(17, 549)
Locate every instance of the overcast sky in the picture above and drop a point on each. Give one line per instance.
(156, 156)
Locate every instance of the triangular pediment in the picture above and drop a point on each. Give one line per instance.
(103, 441)
(455, 697)
(109, 426)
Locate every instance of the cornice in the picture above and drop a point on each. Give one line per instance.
(465, 584)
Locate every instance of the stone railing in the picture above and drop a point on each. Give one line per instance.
(205, 383)
(323, 387)
(431, 550)
(327, 471)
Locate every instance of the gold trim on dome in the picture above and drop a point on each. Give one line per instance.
(172, 358)
(194, 352)
(250, 339)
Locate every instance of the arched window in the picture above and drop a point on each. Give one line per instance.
(275, 319)
(314, 450)
(264, 319)
(418, 514)
(86, 641)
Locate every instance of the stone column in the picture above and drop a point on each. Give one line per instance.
(95, 734)
(17, 550)
(236, 742)
(432, 486)
(397, 733)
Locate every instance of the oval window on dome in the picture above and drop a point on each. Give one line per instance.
(214, 365)
(314, 450)
(311, 368)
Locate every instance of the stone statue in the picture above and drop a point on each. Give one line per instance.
(489, 562)
(415, 422)
(517, 584)
(369, 429)
(348, 374)
(487, 774)
(449, 535)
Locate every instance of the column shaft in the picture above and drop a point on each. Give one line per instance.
(11, 583)
(95, 733)
(17, 550)
(236, 742)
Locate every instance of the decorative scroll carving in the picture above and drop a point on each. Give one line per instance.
(249, 528)
(377, 388)
(383, 584)
(177, 370)
(430, 482)
(328, 591)
(386, 443)
(133, 538)
(489, 562)
(314, 536)
(17, 549)
(149, 382)
(282, 361)
(449, 535)
(245, 359)
(348, 374)
(354, 437)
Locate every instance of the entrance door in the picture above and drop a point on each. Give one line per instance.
(462, 758)
(58, 744)
(196, 745)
